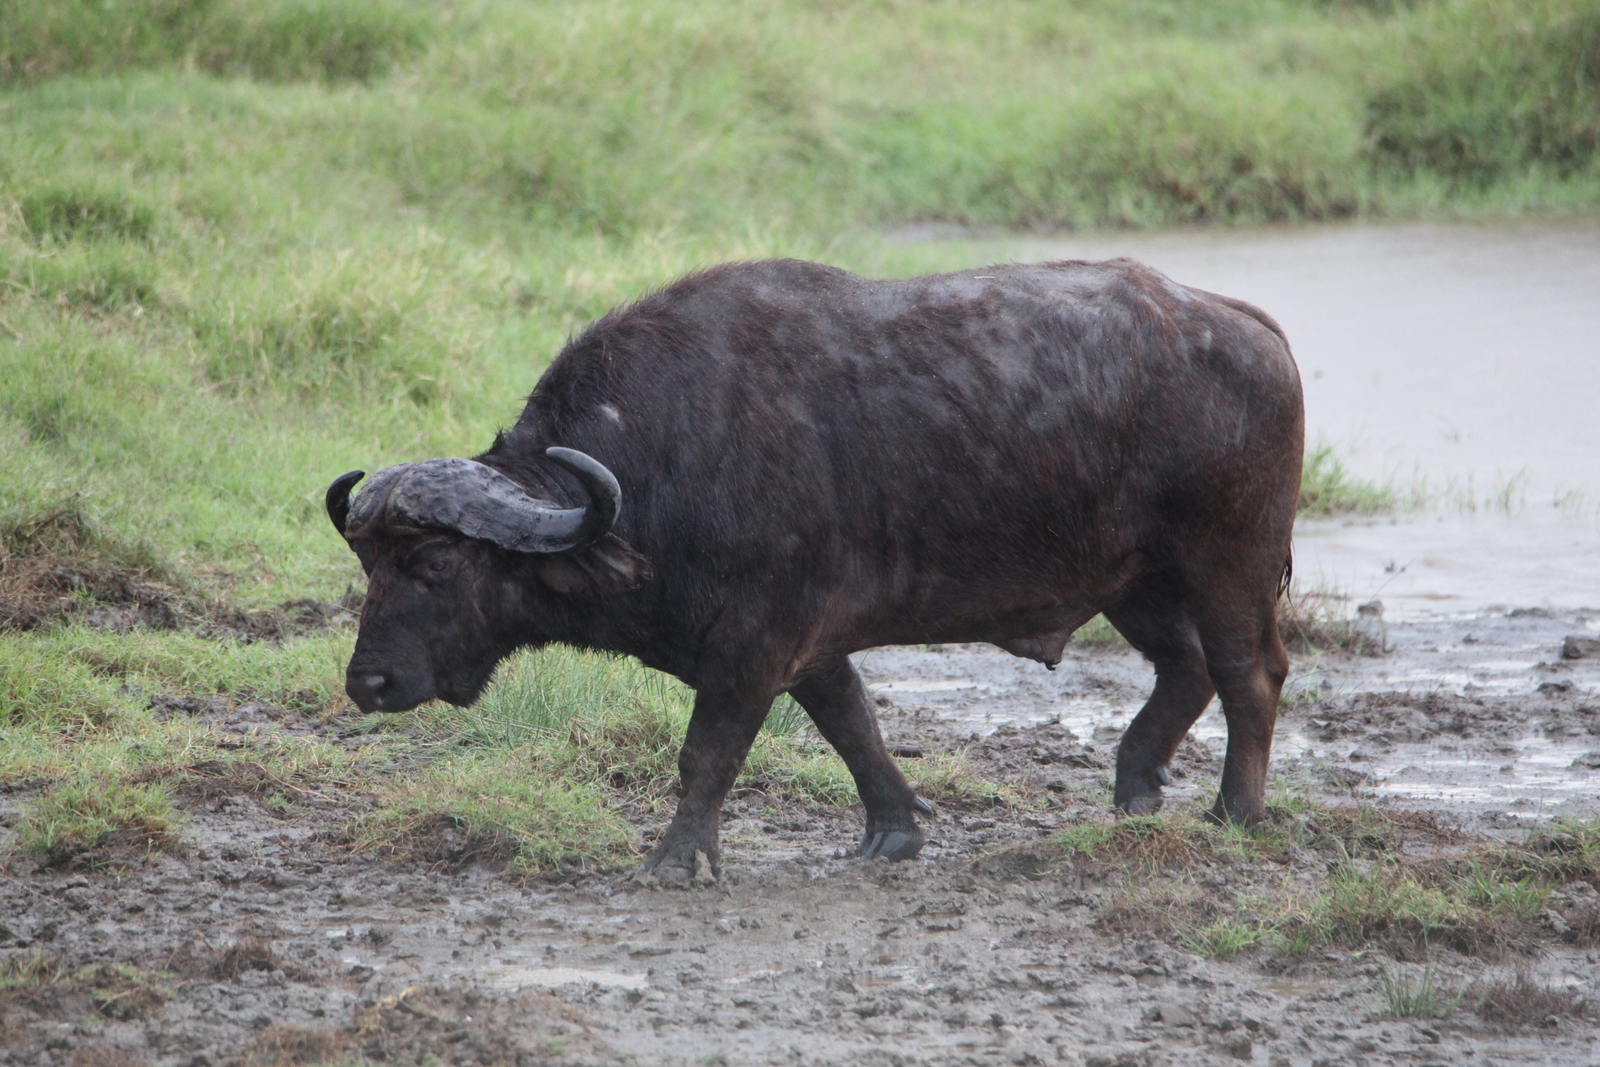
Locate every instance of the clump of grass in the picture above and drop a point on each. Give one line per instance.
(1328, 488)
(56, 559)
(540, 694)
(950, 780)
(1371, 903)
(54, 214)
(507, 807)
(1566, 850)
(1222, 938)
(1489, 888)
(1420, 998)
(1319, 620)
(119, 991)
(88, 821)
(1099, 633)
(1524, 1001)
(1143, 843)
(40, 691)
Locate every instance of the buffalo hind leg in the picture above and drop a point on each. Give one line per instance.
(838, 703)
(1248, 665)
(1168, 638)
(721, 729)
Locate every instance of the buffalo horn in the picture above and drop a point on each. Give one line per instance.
(338, 498)
(605, 495)
(478, 501)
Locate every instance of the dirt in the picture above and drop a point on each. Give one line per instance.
(60, 566)
(264, 941)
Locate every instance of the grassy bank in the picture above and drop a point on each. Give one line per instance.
(236, 260)
(245, 247)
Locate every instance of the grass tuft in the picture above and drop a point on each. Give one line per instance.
(1419, 998)
(67, 214)
(117, 991)
(1328, 488)
(1223, 938)
(90, 822)
(1524, 1001)
(498, 809)
(1319, 620)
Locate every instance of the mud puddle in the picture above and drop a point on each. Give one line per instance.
(266, 944)
(1479, 712)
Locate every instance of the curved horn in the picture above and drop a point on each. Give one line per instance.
(369, 504)
(477, 501)
(471, 499)
(605, 495)
(338, 498)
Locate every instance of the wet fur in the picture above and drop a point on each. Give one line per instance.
(813, 463)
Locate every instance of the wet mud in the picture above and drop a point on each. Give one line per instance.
(265, 941)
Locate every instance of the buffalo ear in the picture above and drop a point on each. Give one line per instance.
(605, 568)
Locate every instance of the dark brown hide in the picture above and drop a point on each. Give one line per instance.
(815, 463)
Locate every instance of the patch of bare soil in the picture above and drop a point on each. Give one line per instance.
(266, 943)
(57, 566)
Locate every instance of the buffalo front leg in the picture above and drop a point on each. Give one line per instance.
(837, 702)
(721, 729)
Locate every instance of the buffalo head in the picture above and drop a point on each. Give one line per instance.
(464, 566)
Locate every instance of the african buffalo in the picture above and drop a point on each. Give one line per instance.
(764, 467)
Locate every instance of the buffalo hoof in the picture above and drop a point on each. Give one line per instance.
(682, 877)
(1143, 804)
(677, 863)
(1221, 815)
(891, 845)
(1140, 793)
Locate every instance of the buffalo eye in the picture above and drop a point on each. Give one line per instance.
(438, 565)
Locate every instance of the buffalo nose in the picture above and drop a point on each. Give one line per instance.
(364, 689)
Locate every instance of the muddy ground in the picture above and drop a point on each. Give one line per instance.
(266, 941)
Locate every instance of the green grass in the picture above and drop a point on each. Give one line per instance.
(1222, 938)
(114, 990)
(1421, 997)
(1328, 488)
(278, 40)
(1369, 889)
(506, 807)
(74, 818)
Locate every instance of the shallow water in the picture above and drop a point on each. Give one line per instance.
(1511, 757)
(1450, 563)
